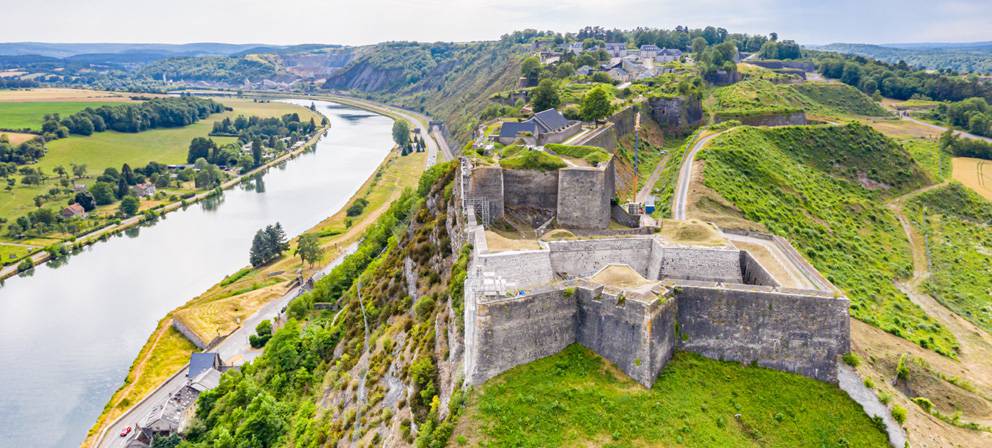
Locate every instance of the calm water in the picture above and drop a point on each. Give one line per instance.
(69, 334)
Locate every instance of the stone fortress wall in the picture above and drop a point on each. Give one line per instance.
(716, 301)
(578, 196)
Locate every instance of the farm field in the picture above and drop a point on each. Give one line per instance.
(975, 174)
(29, 115)
(808, 184)
(165, 145)
(63, 94)
(576, 398)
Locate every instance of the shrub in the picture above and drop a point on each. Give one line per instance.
(424, 307)
(924, 403)
(26, 265)
(358, 207)
(902, 370)
(533, 160)
(852, 359)
(899, 413)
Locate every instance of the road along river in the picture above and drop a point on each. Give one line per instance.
(69, 333)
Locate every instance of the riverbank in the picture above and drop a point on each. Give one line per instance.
(159, 210)
(161, 357)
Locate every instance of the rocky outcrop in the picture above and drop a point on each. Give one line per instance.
(677, 114)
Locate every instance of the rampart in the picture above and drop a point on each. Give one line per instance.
(716, 301)
(764, 119)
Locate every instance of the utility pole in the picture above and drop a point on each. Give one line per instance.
(637, 144)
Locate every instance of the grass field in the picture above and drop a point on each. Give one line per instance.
(111, 149)
(975, 174)
(58, 94)
(927, 154)
(29, 115)
(575, 398)
(758, 96)
(824, 188)
(17, 138)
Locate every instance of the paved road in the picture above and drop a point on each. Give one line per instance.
(234, 349)
(685, 177)
(942, 129)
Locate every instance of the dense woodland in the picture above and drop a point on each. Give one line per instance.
(958, 58)
(900, 81)
(131, 117)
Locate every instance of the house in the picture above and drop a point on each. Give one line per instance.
(575, 47)
(648, 51)
(548, 126)
(550, 57)
(78, 188)
(144, 189)
(612, 63)
(616, 49)
(668, 55)
(619, 74)
(73, 211)
(585, 70)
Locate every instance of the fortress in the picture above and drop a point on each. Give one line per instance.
(634, 296)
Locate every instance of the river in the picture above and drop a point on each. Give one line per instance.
(68, 334)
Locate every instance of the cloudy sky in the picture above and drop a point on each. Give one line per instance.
(369, 21)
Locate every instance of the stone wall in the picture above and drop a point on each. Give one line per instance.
(776, 65)
(584, 196)
(189, 334)
(582, 258)
(797, 333)
(769, 119)
(515, 331)
(521, 270)
(621, 216)
(637, 337)
(702, 264)
(547, 138)
(486, 182)
(679, 114)
(753, 273)
(530, 189)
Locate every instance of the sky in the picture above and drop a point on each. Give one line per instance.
(355, 22)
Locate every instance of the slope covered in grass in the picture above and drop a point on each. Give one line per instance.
(824, 187)
(759, 96)
(575, 398)
(956, 223)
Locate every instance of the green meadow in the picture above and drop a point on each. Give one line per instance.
(29, 115)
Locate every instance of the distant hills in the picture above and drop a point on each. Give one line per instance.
(959, 57)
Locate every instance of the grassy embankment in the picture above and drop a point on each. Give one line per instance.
(576, 398)
(956, 224)
(112, 149)
(823, 188)
(241, 294)
(758, 97)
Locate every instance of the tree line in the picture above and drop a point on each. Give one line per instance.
(131, 117)
(899, 81)
(22, 154)
(972, 114)
(965, 147)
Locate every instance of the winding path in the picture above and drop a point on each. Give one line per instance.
(681, 196)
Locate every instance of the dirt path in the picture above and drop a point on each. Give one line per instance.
(645, 191)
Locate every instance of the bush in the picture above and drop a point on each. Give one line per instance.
(899, 413)
(594, 155)
(924, 403)
(902, 370)
(424, 307)
(852, 359)
(263, 333)
(26, 265)
(358, 207)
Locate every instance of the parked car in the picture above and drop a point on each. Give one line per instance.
(125, 431)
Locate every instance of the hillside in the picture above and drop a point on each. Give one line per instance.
(760, 97)
(970, 57)
(445, 80)
(822, 188)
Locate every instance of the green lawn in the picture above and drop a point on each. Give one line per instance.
(30, 115)
(575, 399)
(824, 189)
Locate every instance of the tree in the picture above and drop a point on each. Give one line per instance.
(530, 68)
(85, 199)
(103, 193)
(129, 205)
(565, 69)
(79, 171)
(546, 95)
(256, 151)
(401, 133)
(122, 188)
(200, 147)
(698, 45)
(597, 104)
(269, 243)
(308, 248)
(263, 332)
(128, 175)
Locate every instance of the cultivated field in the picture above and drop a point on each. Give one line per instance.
(974, 173)
(62, 95)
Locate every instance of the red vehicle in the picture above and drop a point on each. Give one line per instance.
(125, 431)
